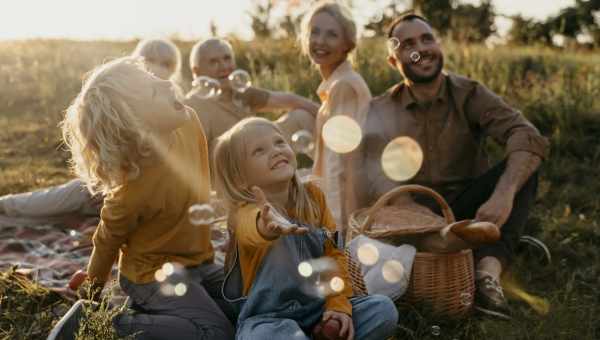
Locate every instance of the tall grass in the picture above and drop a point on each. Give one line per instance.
(556, 89)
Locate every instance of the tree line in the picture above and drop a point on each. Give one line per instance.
(578, 24)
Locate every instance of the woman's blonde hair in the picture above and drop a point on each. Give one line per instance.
(160, 51)
(105, 136)
(336, 10)
(231, 178)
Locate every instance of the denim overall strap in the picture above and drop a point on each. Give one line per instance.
(277, 290)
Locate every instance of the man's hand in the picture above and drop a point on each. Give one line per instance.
(496, 210)
(272, 224)
(347, 329)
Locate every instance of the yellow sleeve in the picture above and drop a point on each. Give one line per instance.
(339, 302)
(247, 229)
(118, 219)
(205, 186)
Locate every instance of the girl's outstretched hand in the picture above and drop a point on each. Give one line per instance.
(271, 224)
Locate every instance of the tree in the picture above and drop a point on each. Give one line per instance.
(528, 31)
(260, 16)
(462, 22)
(214, 30)
(390, 11)
(471, 23)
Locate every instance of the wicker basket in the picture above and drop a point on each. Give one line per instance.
(356, 279)
(443, 281)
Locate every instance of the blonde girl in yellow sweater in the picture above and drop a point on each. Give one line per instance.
(279, 222)
(134, 142)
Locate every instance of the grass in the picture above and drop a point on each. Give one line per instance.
(556, 89)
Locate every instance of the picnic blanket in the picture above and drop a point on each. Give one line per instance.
(49, 253)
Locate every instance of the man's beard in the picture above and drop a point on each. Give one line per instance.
(418, 79)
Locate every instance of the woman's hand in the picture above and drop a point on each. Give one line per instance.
(271, 224)
(347, 327)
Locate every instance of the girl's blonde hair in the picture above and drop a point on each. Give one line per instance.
(339, 12)
(231, 178)
(100, 128)
(160, 51)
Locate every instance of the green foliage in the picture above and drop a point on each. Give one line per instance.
(570, 22)
(27, 310)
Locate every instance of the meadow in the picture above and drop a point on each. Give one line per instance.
(557, 90)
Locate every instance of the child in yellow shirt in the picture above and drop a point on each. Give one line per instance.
(277, 223)
(71, 202)
(134, 142)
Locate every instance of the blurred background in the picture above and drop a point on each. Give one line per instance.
(556, 22)
(541, 56)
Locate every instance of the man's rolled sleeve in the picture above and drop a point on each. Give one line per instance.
(503, 123)
(255, 98)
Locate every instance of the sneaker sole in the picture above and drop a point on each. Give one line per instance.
(55, 333)
(493, 313)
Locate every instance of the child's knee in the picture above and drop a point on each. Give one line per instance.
(383, 306)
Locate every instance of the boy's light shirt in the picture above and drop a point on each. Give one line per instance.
(252, 247)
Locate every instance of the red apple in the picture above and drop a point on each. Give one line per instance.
(328, 330)
(77, 279)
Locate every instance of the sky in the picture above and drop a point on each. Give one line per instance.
(189, 19)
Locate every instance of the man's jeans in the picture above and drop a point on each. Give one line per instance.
(467, 203)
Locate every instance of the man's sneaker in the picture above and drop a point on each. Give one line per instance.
(68, 326)
(489, 298)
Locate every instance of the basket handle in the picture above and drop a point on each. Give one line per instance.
(383, 200)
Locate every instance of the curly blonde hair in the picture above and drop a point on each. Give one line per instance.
(103, 133)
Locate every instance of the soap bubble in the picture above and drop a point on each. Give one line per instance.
(435, 330)
(167, 289)
(172, 278)
(336, 284)
(377, 17)
(303, 142)
(319, 276)
(368, 254)
(465, 298)
(392, 271)
(341, 134)
(240, 80)
(180, 289)
(305, 269)
(415, 57)
(168, 268)
(160, 275)
(393, 43)
(201, 214)
(402, 158)
(207, 87)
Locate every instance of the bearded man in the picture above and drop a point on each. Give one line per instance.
(450, 117)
